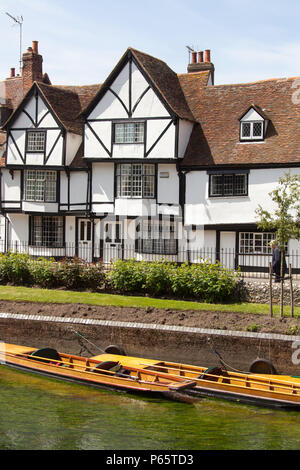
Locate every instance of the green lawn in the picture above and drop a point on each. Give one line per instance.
(63, 296)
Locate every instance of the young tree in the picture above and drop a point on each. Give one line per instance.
(285, 219)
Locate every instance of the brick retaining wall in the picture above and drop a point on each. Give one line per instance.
(162, 342)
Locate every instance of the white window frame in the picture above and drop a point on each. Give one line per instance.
(33, 142)
(255, 243)
(135, 181)
(252, 137)
(129, 132)
(40, 185)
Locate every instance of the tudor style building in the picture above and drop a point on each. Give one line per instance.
(148, 163)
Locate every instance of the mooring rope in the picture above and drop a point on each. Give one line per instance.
(88, 341)
(221, 359)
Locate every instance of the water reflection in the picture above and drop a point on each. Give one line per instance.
(41, 413)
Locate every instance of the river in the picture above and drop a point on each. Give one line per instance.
(38, 413)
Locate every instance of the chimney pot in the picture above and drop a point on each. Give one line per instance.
(194, 57)
(29, 49)
(207, 55)
(35, 47)
(12, 72)
(200, 57)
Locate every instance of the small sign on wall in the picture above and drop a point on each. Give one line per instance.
(164, 174)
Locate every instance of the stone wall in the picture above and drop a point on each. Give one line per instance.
(258, 291)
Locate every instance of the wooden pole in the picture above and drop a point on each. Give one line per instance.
(291, 290)
(271, 294)
(281, 284)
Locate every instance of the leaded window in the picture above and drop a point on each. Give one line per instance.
(135, 180)
(155, 236)
(228, 185)
(129, 133)
(40, 186)
(36, 141)
(47, 231)
(252, 130)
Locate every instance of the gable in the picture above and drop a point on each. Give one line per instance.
(35, 113)
(252, 115)
(128, 95)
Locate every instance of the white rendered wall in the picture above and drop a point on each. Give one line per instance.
(185, 130)
(70, 230)
(103, 182)
(165, 147)
(14, 157)
(145, 105)
(72, 145)
(46, 207)
(44, 120)
(78, 187)
(11, 187)
(18, 228)
(167, 187)
(135, 207)
(202, 210)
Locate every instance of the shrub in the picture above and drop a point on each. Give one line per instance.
(128, 276)
(92, 276)
(43, 272)
(14, 268)
(159, 278)
(205, 281)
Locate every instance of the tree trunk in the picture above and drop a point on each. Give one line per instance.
(281, 281)
(291, 290)
(271, 293)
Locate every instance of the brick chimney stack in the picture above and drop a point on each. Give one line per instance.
(32, 66)
(201, 64)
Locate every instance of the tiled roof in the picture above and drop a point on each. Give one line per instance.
(78, 161)
(217, 109)
(85, 93)
(166, 81)
(65, 104)
(2, 148)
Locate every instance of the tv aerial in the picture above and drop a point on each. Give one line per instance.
(190, 49)
(18, 21)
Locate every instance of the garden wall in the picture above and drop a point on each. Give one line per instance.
(258, 291)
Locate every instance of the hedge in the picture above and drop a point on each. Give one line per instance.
(205, 281)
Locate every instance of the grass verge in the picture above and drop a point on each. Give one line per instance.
(26, 294)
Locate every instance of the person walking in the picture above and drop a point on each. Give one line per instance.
(276, 261)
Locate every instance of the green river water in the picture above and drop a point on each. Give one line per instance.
(38, 413)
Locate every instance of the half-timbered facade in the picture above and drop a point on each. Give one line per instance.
(149, 163)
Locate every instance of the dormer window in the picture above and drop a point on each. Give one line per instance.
(253, 125)
(252, 130)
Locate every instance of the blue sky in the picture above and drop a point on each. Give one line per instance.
(81, 41)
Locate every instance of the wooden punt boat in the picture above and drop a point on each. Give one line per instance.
(276, 391)
(93, 372)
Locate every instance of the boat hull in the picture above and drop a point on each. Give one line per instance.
(88, 371)
(271, 391)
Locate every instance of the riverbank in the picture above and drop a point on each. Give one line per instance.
(219, 320)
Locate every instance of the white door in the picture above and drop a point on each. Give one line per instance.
(112, 241)
(227, 249)
(85, 236)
